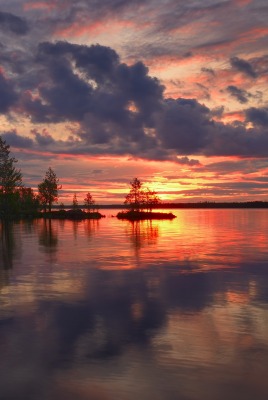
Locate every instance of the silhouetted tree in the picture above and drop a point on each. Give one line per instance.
(89, 201)
(75, 202)
(135, 197)
(10, 180)
(62, 206)
(10, 177)
(138, 198)
(48, 189)
(28, 201)
(151, 199)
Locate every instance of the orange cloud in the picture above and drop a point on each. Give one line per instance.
(253, 34)
(233, 116)
(79, 29)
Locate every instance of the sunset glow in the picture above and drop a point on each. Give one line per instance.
(173, 93)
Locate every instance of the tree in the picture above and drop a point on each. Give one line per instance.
(151, 199)
(138, 198)
(135, 197)
(10, 177)
(10, 180)
(89, 201)
(75, 202)
(28, 201)
(48, 189)
(62, 206)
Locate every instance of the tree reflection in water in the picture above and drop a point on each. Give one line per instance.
(142, 233)
(7, 245)
(168, 330)
(48, 236)
(91, 226)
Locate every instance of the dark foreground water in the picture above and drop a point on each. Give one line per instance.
(153, 310)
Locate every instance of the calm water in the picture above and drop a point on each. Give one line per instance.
(151, 310)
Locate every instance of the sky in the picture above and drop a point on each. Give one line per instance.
(172, 92)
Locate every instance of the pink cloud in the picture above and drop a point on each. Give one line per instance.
(40, 5)
(79, 28)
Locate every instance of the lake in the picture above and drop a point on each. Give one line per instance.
(148, 310)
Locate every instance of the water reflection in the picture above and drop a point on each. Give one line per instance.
(91, 226)
(166, 322)
(48, 236)
(171, 329)
(7, 245)
(142, 233)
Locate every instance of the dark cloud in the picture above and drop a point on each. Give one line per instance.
(97, 61)
(187, 161)
(43, 138)
(8, 95)
(209, 71)
(121, 110)
(235, 139)
(13, 23)
(261, 65)
(80, 82)
(258, 116)
(243, 66)
(239, 94)
(15, 140)
(217, 111)
(183, 125)
(229, 167)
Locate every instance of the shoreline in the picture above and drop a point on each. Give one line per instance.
(186, 205)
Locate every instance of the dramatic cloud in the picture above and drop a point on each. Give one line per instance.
(174, 81)
(13, 24)
(187, 161)
(8, 95)
(121, 110)
(239, 94)
(15, 140)
(243, 66)
(258, 116)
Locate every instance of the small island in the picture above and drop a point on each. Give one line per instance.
(76, 214)
(141, 203)
(142, 215)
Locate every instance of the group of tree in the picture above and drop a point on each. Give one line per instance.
(139, 198)
(89, 202)
(16, 199)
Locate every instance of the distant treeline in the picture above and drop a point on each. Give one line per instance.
(205, 204)
(247, 204)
